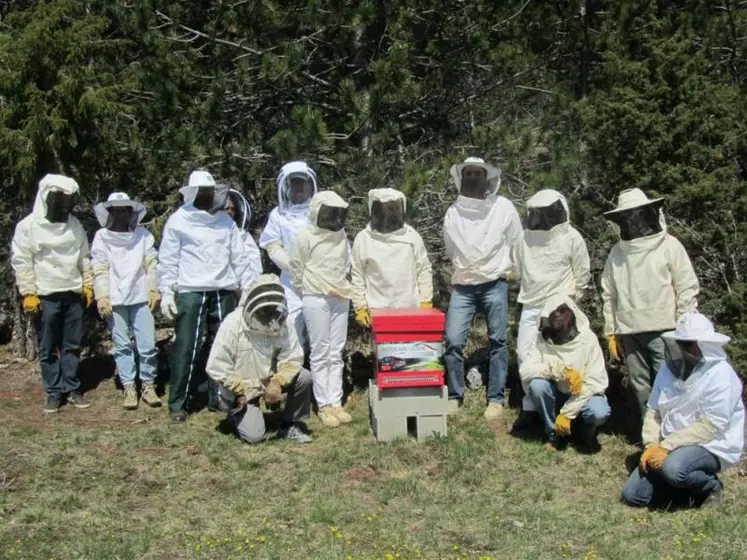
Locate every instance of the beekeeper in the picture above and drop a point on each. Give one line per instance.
(296, 185)
(480, 230)
(551, 259)
(201, 263)
(318, 269)
(256, 355)
(648, 283)
(694, 424)
(237, 206)
(565, 374)
(390, 262)
(50, 258)
(125, 284)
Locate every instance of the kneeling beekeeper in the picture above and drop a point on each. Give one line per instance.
(256, 355)
(53, 272)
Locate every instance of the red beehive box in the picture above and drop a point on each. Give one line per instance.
(408, 346)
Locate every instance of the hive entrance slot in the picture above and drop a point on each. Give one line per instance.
(412, 426)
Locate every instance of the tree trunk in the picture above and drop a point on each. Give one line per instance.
(24, 343)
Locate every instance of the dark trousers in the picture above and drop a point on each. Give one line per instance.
(60, 330)
(199, 314)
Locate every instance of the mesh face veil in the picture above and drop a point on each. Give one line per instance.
(298, 189)
(331, 218)
(560, 326)
(544, 218)
(59, 206)
(266, 311)
(682, 357)
(121, 219)
(388, 216)
(637, 222)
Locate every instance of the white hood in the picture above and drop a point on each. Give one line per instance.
(286, 171)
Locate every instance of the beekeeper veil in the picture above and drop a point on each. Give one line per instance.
(56, 198)
(265, 309)
(694, 343)
(119, 213)
(476, 179)
(546, 210)
(202, 192)
(637, 215)
(238, 207)
(296, 184)
(387, 210)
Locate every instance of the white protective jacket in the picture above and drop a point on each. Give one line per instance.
(711, 396)
(320, 258)
(48, 257)
(237, 351)
(647, 285)
(554, 262)
(547, 360)
(124, 265)
(282, 228)
(390, 270)
(202, 252)
(479, 236)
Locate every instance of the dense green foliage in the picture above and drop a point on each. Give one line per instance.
(588, 97)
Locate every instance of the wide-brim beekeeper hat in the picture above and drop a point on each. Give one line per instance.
(118, 200)
(633, 198)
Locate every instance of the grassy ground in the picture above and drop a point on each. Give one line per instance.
(106, 483)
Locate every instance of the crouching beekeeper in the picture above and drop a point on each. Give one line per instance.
(256, 356)
(53, 271)
(694, 424)
(565, 375)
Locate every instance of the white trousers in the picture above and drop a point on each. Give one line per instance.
(526, 339)
(327, 327)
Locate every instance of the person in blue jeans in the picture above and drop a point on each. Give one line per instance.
(480, 229)
(694, 423)
(124, 269)
(565, 375)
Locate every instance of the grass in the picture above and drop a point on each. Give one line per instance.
(107, 483)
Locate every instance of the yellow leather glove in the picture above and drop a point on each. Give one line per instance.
(653, 458)
(574, 379)
(562, 425)
(104, 306)
(234, 384)
(614, 346)
(31, 303)
(154, 299)
(363, 317)
(87, 296)
(273, 393)
(426, 305)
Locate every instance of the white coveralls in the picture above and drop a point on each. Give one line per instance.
(318, 268)
(390, 270)
(280, 233)
(550, 263)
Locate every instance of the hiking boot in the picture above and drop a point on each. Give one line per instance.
(341, 415)
(328, 418)
(555, 443)
(149, 395)
(713, 500)
(130, 397)
(180, 416)
(78, 400)
(293, 433)
(493, 411)
(590, 443)
(526, 421)
(52, 405)
(454, 406)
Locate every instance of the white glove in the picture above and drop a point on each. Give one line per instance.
(168, 306)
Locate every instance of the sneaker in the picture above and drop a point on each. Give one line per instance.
(293, 433)
(180, 416)
(341, 414)
(78, 400)
(149, 395)
(328, 418)
(713, 500)
(526, 421)
(130, 397)
(454, 406)
(493, 411)
(52, 405)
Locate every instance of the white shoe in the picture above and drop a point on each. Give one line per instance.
(454, 406)
(493, 411)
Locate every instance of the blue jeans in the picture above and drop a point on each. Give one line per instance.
(465, 302)
(688, 473)
(548, 401)
(139, 319)
(60, 330)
